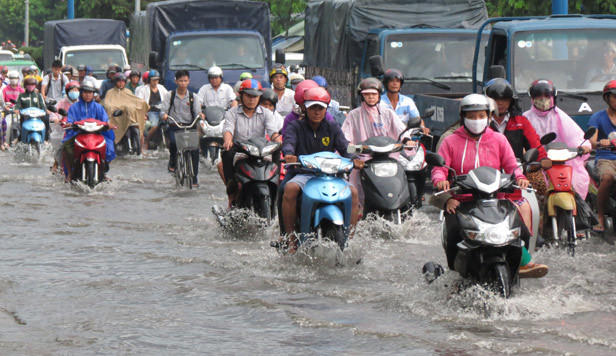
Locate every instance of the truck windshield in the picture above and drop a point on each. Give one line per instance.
(575, 60)
(225, 51)
(439, 56)
(98, 59)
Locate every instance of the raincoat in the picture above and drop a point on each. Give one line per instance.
(133, 108)
(568, 132)
(82, 110)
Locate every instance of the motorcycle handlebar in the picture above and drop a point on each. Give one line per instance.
(183, 126)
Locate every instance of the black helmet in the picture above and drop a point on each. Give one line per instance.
(269, 94)
(134, 73)
(119, 76)
(370, 83)
(391, 74)
(499, 88)
(542, 87)
(30, 81)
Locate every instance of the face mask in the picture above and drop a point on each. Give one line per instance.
(543, 104)
(30, 87)
(13, 81)
(73, 95)
(476, 126)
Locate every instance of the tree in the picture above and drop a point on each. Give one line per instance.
(283, 12)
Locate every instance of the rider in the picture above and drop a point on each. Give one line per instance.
(370, 120)
(10, 92)
(474, 145)
(107, 83)
(153, 94)
(334, 107)
(236, 86)
(82, 74)
(605, 164)
(53, 83)
(216, 93)
(403, 105)
(183, 106)
(32, 98)
(242, 123)
(57, 132)
(133, 80)
(304, 137)
(268, 100)
(546, 117)
(278, 77)
(86, 108)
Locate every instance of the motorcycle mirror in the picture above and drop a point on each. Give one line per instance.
(50, 101)
(52, 108)
(429, 112)
(434, 159)
(413, 122)
(118, 112)
(531, 155)
(547, 138)
(352, 148)
(62, 112)
(590, 133)
(13, 101)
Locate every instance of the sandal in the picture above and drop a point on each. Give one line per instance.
(598, 229)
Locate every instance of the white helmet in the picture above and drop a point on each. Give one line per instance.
(474, 102)
(13, 74)
(214, 72)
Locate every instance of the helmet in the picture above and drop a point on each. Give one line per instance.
(371, 84)
(71, 85)
(301, 88)
(499, 88)
(13, 74)
(214, 72)
(33, 68)
(4, 69)
(146, 77)
(296, 78)
(391, 74)
(320, 80)
(110, 69)
(278, 68)
(316, 96)
(83, 67)
(251, 87)
(245, 76)
(134, 73)
(153, 73)
(88, 85)
(30, 80)
(542, 87)
(66, 69)
(609, 88)
(89, 70)
(493, 107)
(474, 102)
(118, 77)
(24, 70)
(269, 94)
(126, 67)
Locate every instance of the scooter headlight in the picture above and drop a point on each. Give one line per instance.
(416, 163)
(384, 169)
(329, 165)
(493, 234)
(252, 150)
(267, 150)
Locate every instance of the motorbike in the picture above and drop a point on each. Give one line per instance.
(492, 231)
(560, 196)
(160, 137)
(33, 129)
(258, 175)
(211, 128)
(130, 144)
(593, 190)
(326, 201)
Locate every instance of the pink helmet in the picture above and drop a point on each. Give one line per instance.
(301, 88)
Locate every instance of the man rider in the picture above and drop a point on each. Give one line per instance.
(154, 94)
(278, 77)
(107, 83)
(216, 93)
(242, 123)
(403, 105)
(86, 108)
(183, 106)
(32, 98)
(53, 84)
(133, 81)
(82, 74)
(304, 137)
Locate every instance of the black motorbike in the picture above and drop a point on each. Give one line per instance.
(484, 239)
(211, 129)
(130, 144)
(258, 175)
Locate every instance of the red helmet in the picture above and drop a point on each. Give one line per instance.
(4, 69)
(72, 85)
(251, 87)
(316, 96)
(609, 88)
(145, 76)
(301, 88)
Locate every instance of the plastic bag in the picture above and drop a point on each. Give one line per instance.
(586, 217)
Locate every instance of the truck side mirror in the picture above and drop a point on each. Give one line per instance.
(280, 56)
(496, 71)
(376, 66)
(153, 59)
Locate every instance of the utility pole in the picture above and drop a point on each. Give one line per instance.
(27, 24)
(560, 7)
(137, 5)
(70, 9)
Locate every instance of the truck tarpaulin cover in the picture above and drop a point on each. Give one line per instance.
(335, 29)
(180, 16)
(77, 32)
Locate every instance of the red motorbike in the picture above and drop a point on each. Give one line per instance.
(90, 151)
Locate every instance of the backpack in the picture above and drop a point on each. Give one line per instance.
(191, 99)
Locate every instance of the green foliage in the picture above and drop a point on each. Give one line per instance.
(283, 12)
(500, 8)
(36, 53)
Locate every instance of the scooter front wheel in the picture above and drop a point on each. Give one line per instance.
(334, 233)
(566, 226)
(262, 206)
(91, 178)
(499, 279)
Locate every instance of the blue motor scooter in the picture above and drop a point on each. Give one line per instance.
(325, 208)
(33, 128)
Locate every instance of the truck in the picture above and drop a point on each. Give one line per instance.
(94, 42)
(195, 35)
(430, 42)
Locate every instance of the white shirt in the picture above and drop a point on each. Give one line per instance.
(286, 104)
(222, 97)
(55, 90)
(503, 125)
(144, 92)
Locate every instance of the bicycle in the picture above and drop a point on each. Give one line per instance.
(186, 140)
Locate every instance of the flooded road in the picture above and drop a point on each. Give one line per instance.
(139, 267)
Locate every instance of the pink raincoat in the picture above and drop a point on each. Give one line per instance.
(464, 154)
(365, 122)
(568, 132)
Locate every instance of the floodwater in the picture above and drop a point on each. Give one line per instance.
(140, 267)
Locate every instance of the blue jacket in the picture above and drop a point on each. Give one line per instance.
(92, 110)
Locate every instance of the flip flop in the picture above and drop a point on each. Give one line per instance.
(598, 229)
